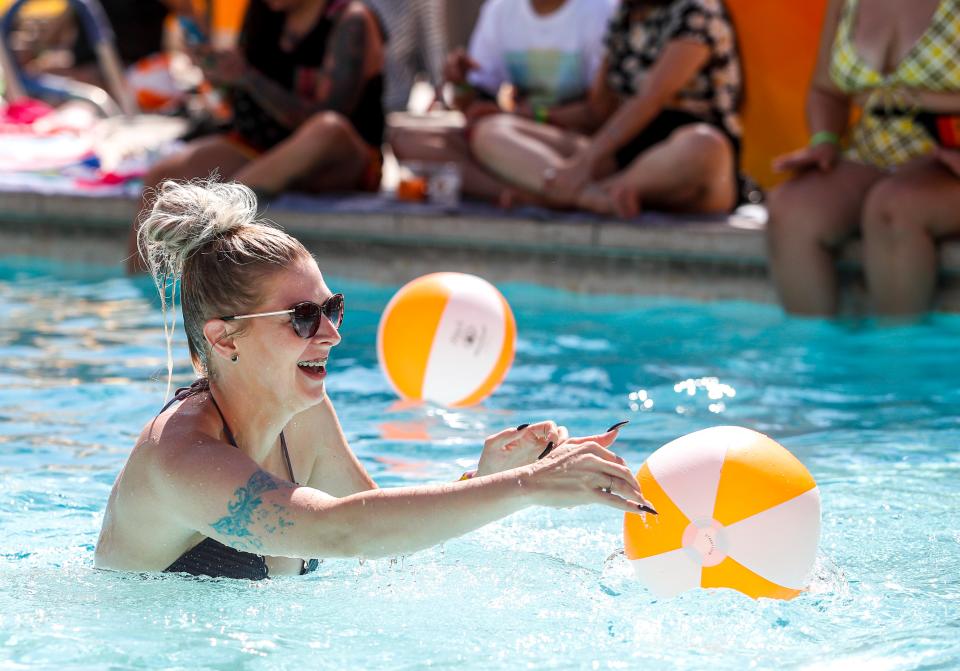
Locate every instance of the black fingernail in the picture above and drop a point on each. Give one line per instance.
(522, 427)
(618, 425)
(647, 509)
(547, 450)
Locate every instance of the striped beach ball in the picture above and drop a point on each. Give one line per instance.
(447, 338)
(736, 509)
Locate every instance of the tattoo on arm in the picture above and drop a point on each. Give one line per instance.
(246, 507)
(286, 107)
(346, 65)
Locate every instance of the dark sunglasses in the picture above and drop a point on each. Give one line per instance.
(305, 317)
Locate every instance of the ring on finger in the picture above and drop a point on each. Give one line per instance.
(606, 490)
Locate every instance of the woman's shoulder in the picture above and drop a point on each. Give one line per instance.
(355, 13)
(356, 9)
(175, 431)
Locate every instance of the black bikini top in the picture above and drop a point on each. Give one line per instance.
(210, 557)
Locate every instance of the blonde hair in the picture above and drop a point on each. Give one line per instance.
(204, 237)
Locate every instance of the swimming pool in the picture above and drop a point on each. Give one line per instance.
(871, 412)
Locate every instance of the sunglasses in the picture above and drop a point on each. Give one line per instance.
(306, 316)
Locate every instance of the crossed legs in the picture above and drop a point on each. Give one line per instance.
(450, 144)
(691, 170)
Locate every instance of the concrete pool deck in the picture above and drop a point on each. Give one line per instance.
(371, 238)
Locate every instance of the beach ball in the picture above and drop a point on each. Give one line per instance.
(736, 509)
(447, 338)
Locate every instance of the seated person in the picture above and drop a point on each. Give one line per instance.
(548, 50)
(666, 102)
(247, 473)
(306, 88)
(882, 176)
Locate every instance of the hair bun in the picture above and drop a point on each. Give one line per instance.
(185, 216)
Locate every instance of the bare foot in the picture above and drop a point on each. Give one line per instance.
(626, 200)
(613, 200)
(511, 198)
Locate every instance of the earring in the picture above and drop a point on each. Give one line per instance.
(235, 358)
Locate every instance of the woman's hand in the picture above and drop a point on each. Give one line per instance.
(457, 66)
(821, 157)
(950, 158)
(222, 68)
(577, 474)
(512, 448)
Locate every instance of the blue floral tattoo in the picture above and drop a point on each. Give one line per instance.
(246, 506)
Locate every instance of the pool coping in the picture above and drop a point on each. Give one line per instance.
(704, 258)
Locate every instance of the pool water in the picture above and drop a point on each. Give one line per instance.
(872, 413)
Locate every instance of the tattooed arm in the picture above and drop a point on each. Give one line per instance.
(209, 487)
(354, 51)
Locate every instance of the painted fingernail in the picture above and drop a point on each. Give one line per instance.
(647, 509)
(547, 450)
(522, 427)
(618, 425)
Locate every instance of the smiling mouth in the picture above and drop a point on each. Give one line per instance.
(315, 368)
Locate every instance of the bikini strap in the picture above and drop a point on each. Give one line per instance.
(229, 434)
(226, 427)
(183, 393)
(286, 458)
(203, 384)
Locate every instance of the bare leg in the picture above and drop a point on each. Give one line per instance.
(200, 158)
(811, 216)
(691, 171)
(450, 145)
(447, 145)
(903, 218)
(325, 154)
(519, 150)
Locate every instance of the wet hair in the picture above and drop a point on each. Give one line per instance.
(203, 237)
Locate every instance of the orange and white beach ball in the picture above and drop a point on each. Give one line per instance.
(447, 338)
(736, 509)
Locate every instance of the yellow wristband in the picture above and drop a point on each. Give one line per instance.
(824, 137)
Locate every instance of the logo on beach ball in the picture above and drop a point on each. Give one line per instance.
(736, 509)
(447, 338)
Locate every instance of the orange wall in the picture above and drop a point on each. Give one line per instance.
(778, 43)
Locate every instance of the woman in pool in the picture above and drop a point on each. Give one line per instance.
(250, 475)
(888, 179)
